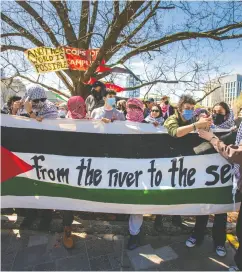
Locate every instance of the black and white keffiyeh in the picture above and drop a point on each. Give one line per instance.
(239, 135)
(44, 109)
(237, 142)
(35, 92)
(152, 120)
(229, 123)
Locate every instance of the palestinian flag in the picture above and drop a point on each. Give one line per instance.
(122, 167)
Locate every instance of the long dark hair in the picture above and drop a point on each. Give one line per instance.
(185, 99)
(225, 106)
(160, 111)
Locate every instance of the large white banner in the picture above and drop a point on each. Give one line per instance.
(122, 167)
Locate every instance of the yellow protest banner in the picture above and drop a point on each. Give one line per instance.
(47, 59)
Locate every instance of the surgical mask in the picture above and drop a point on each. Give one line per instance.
(111, 101)
(218, 118)
(166, 102)
(188, 114)
(62, 113)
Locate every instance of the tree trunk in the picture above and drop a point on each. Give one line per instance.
(80, 89)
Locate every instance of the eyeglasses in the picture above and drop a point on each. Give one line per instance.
(38, 100)
(155, 110)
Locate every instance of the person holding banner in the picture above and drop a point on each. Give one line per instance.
(95, 99)
(223, 116)
(76, 110)
(233, 153)
(183, 122)
(37, 107)
(10, 103)
(135, 113)
(108, 113)
(155, 117)
(180, 124)
(219, 227)
(36, 104)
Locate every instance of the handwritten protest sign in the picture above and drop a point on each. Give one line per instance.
(46, 59)
(150, 172)
(80, 59)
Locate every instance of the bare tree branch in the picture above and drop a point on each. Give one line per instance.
(22, 30)
(180, 37)
(142, 10)
(123, 30)
(64, 79)
(93, 21)
(8, 85)
(18, 74)
(207, 93)
(120, 23)
(136, 30)
(64, 17)
(43, 85)
(85, 9)
(39, 20)
(12, 35)
(116, 9)
(146, 94)
(155, 82)
(12, 47)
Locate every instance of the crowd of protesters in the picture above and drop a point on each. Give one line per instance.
(102, 104)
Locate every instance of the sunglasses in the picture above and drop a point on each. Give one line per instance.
(38, 100)
(155, 110)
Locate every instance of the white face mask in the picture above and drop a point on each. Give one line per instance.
(62, 113)
(38, 105)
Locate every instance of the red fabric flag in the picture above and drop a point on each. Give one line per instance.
(102, 68)
(108, 85)
(114, 87)
(11, 165)
(91, 81)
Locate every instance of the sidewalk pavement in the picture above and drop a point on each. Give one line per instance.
(39, 251)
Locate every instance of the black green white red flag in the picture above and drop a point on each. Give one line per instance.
(122, 167)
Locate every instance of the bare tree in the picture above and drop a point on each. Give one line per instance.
(122, 30)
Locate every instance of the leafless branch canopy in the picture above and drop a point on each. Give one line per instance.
(124, 31)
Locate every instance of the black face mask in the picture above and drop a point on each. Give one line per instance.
(218, 118)
(96, 94)
(166, 102)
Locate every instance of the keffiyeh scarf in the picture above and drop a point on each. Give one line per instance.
(35, 92)
(152, 120)
(229, 123)
(48, 110)
(76, 108)
(43, 109)
(237, 142)
(135, 114)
